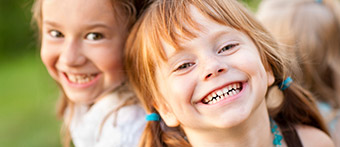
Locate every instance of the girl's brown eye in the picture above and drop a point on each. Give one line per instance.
(226, 48)
(94, 36)
(56, 34)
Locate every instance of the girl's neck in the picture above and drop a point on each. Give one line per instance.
(116, 88)
(254, 131)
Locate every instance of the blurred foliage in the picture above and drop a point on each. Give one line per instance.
(251, 4)
(16, 36)
(28, 95)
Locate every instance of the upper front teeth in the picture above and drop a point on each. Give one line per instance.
(81, 79)
(218, 95)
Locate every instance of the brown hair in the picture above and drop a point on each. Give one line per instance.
(310, 31)
(128, 11)
(162, 21)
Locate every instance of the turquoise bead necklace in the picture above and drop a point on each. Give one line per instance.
(274, 128)
(275, 131)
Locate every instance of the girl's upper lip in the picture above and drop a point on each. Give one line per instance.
(215, 89)
(78, 71)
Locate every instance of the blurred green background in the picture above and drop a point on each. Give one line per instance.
(28, 95)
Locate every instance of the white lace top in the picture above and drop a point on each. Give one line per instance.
(89, 128)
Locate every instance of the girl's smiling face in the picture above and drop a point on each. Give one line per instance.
(82, 45)
(216, 80)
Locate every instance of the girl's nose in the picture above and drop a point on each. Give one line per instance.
(72, 54)
(213, 68)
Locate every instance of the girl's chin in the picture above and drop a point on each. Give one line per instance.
(81, 97)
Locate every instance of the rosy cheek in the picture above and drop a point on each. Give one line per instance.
(244, 64)
(50, 60)
(182, 87)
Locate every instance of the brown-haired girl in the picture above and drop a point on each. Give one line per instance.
(82, 45)
(204, 67)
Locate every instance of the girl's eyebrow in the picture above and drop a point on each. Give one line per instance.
(89, 26)
(51, 23)
(98, 25)
(212, 37)
(219, 34)
(173, 56)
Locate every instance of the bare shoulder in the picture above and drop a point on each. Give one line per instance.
(313, 137)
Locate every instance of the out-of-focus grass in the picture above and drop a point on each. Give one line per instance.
(27, 107)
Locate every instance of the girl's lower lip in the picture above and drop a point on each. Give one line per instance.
(226, 100)
(85, 85)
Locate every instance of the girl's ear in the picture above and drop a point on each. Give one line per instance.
(167, 115)
(270, 77)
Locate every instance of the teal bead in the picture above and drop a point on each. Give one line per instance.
(276, 133)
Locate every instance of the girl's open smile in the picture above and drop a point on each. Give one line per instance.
(223, 93)
(81, 80)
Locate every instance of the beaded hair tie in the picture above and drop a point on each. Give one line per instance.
(286, 83)
(152, 117)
